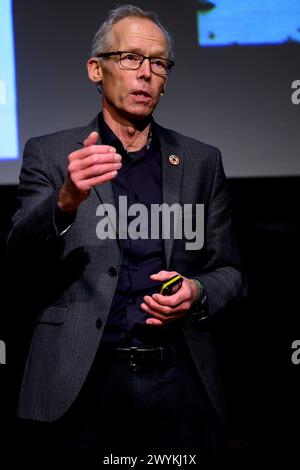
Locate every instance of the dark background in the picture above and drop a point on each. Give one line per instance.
(235, 98)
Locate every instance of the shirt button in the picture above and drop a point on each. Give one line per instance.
(98, 323)
(112, 271)
(135, 268)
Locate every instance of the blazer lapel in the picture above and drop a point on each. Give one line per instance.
(172, 173)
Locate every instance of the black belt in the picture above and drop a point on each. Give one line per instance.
(137, 356)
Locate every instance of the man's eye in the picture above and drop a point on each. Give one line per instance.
(159, 63)
(131, 57)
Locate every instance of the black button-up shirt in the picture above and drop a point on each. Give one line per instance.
(140, 180)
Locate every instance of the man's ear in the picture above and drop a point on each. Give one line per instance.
(163, 88)
(94, 70)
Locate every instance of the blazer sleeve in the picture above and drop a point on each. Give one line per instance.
(222, 277)
(38, 220)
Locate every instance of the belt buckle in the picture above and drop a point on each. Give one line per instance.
(132, 358)
(161, 353)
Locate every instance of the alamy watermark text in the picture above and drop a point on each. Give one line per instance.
(159, 221)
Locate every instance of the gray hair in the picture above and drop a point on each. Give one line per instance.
(101, 42)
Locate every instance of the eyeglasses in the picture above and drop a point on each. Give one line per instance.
(133, 61)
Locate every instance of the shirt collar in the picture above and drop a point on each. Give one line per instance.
(108, 137)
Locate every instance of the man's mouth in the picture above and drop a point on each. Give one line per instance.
(141, 93)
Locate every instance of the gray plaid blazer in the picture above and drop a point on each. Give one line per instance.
(67, 277)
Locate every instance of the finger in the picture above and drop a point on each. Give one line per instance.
(164, 309)
(154, 321)
(172, 300)
(95, 159)
(155, 307)
(86, 185)
(91, 139)
(156, 314)
(91, 150)
(96, 170)
(163, 275)
(162, 317)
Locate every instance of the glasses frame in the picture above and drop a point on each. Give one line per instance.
(170, 63)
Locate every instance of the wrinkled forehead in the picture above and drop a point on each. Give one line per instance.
(138, 35)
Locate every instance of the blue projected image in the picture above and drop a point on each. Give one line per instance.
(242, 22)
(9, 148)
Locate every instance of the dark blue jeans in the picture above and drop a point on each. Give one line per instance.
(157, 408)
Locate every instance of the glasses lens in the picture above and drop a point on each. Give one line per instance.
(131, 61)
(160, 66)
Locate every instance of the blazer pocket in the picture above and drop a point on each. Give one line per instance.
(54, 315)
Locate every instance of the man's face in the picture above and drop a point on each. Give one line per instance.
(133, 93)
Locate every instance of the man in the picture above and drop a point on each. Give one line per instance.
(113, 364)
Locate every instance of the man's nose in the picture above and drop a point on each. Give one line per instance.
(145, 69)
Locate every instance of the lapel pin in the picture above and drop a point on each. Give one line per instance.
(174, 160)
